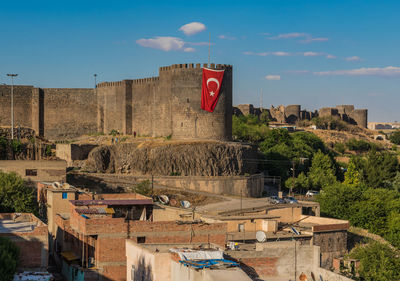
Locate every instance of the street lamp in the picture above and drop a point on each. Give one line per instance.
(12, 103)
(95, 82)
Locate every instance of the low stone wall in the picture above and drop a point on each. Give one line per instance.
(249, 186)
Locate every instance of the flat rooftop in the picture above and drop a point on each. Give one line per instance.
(10, 226)
(164, 248)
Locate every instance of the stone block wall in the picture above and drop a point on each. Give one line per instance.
(168, 105)
(22, 105)
(69, 113)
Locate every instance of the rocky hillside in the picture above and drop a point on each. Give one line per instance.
(210, 158)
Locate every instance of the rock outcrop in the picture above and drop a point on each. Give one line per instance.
(185, 159)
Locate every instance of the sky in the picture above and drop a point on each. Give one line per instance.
(314, 53)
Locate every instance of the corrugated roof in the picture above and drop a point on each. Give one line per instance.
(112, 202)
(91, 211)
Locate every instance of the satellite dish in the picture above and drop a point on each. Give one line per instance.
(261, 236)
(56, 184)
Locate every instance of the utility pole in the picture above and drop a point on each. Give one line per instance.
(209, 48)
(12, 103)
(261, 100)
(95, 80)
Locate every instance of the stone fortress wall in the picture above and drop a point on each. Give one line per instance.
(168, 105)
(292, 113)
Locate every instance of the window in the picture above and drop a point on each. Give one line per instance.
(64, 195)
(241, 227)
(141, 239)
(182, 124)
(187, 100)
(31, 172)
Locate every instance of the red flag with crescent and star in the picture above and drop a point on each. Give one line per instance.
(212, 80)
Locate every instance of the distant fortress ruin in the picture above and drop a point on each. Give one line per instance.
(292, 113)
(167, 105)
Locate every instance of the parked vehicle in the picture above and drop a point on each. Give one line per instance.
(275, 200)
(311, 193)
(290, 200)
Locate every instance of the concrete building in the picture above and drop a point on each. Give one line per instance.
(40, 170)
(167, 105)
(30, 235)
(161, 262)
(383, 126)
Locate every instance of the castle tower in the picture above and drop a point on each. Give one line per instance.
(168, 105)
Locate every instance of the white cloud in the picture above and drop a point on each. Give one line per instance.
(311, 54)
(353, 58)
(285, 54)
(192, 28)
(307, 38)
(226, 37)
(162, 43)
(389, 71)
(264, 54)
(169, 44)
(289, 35)
(281, 54)
(273, 77)
(317, 39)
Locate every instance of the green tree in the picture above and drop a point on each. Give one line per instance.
(15, 195)
(378, 262)
(395, 137)
(380, 169)
(9, 254)
(358, 145)
(265, 117)
(322, 171)
(372, 209)
(301, 183)
(352, 176)
(248, 128)
(337, 200)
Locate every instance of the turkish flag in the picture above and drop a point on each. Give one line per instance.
(212, 81)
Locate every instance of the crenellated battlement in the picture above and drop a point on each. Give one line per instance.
(194, 66)
(164, 69)
(111, 84)
(146, 80)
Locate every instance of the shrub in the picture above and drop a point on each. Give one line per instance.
(9, 254)
(142, 188)
(340, 147)
(377, 262)
(395, 137)
(358, 145)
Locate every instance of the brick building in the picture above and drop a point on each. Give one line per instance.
(30, 235)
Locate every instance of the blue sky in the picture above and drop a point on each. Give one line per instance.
(313, 53)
